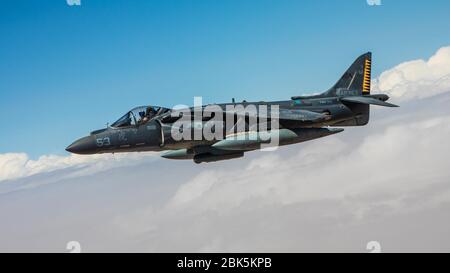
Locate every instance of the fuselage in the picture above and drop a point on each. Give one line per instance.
(155, 134)
(228, 130)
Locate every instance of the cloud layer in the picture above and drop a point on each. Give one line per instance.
(387, 181)
(417, 79)
(410, 80)
(19, 165)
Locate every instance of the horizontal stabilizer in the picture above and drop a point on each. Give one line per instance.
(367, 100)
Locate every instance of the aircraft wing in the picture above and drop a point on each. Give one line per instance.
(300, 115)
(284, 114)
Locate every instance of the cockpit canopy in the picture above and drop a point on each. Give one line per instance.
(138, 116)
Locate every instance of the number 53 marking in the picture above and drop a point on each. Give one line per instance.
(103, 142)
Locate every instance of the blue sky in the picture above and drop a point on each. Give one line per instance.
(67, 70)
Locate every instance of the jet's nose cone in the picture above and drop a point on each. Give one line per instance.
(85, 145)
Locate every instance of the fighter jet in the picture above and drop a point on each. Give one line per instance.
(302, 118)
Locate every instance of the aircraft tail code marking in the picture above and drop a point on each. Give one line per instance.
(367, 75)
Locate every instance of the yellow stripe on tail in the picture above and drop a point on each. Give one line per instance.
(367, 76)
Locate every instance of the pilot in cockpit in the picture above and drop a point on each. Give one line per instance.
(145, 116)
(137, 116)
(142, 118)
(149, 113)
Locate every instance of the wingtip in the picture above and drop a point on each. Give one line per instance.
(387, 104)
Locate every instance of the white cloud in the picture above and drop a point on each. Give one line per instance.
(417, 79)
(335, 194)
(386, 181)
(19, 165)
(393, 160)
(409, 80)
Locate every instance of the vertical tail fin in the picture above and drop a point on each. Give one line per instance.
(356, 79)
(355, 82)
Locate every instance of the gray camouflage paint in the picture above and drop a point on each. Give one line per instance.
(301, 118)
